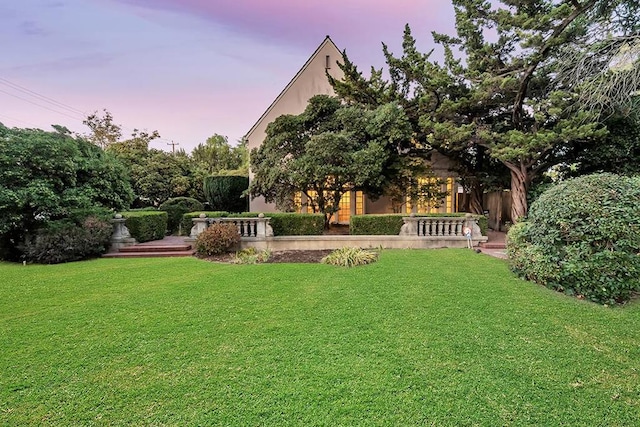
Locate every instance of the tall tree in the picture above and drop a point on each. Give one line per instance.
(217, 156)
(421, 86)
(328, 150)
(511, 51)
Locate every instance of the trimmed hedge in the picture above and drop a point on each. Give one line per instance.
(145, 226)
(376, 225)
(582, 237)
(176, 208)
(295, 224)
(390, 224)
(226, 192)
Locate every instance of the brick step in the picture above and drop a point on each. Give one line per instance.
(490, 245)
(149, 254)
(155, 248)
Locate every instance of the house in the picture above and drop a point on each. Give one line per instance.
(311, 80)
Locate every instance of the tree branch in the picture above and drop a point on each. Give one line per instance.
(544, 52)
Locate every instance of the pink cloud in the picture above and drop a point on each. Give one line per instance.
(305, 23)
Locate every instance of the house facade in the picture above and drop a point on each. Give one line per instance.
(311, 80)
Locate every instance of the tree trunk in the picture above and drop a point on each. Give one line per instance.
(476, 193)
(519, 186)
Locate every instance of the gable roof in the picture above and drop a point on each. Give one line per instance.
(327, 40)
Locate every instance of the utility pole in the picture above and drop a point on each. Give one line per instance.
(173, 146)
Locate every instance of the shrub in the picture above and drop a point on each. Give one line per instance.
(582, 237)
(217, 239)
(226, 192)
(252, 256)
(294, 224)
(176, 208)
(376, 224)
(66, 241)
(350, 257)
(186, 223)
(146, 225)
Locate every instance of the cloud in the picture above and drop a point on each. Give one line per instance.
(32, 28)
(305, 23)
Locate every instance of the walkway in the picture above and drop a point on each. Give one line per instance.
(496, 246)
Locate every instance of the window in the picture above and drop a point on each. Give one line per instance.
(327, 62)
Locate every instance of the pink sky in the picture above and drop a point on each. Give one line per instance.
(187, 68)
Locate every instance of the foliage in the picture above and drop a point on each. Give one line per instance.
(617, 152)
(145, 226)
(155, 175)
(293, 224)
(404, 340)
(44, 176)
(66, 241)
(367, 225)
(252, 256)
(186, 223)
(227, 192)
(582, 237)
(176, 208)
(328, 150)
(350, 257)
(421, 87)
(217, 157)
(218, 238)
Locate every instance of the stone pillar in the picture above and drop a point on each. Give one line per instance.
(472, 222)
(410, 226)
(199, 225)
(263, 230)
(121, 236)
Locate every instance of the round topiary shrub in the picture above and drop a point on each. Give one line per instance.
(177, 207)
(217, 239)
(582, 237)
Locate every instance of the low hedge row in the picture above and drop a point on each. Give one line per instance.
(293, 224)
(283, 224)
(390, 224)
(145, 226)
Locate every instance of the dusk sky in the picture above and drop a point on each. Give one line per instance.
(189, 68)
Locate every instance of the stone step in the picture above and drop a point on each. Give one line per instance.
(149, 254)
(155, 248)
(493, 245)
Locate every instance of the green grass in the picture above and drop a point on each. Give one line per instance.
(440, 337)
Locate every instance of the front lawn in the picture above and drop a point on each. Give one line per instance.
(436, 337)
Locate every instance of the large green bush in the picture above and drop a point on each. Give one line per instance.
(145, 226)
(176, 208)
(226, 192)
(46, 175)
(582, 237)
